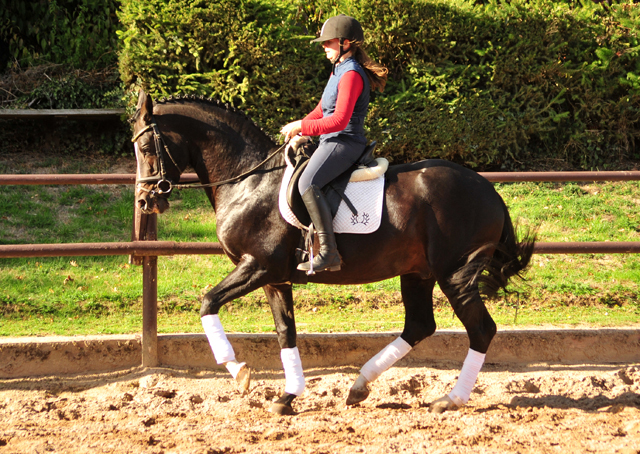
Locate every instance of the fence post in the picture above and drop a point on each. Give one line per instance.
(145, 228)
(138, 231)
(150, 299)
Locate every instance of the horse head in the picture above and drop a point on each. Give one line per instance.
(156, 168)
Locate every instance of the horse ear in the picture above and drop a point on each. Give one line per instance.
(145, 106)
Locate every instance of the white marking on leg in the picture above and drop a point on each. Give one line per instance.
(468, 375)
(386, 358)
(293, 374)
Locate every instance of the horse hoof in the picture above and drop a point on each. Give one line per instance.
(357, 395)
(281, 409)
(359, 391)
(243, 379)
(441, 405)
(283, 406)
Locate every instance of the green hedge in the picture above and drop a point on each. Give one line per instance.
(59, 54)
(508, 85)
(513, 85)
(502, 85)
(76, 33)
(247, 53)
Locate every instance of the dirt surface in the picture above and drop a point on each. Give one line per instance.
(538, 409)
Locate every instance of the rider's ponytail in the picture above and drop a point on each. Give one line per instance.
(376, 72)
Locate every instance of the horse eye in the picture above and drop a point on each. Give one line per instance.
(146, 147)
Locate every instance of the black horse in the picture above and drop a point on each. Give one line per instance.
(441, 223)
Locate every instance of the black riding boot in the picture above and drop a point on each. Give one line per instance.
(320, 214)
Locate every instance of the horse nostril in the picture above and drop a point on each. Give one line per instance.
(142, 204)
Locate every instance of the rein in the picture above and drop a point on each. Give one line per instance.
(164, 185)
(233, 179)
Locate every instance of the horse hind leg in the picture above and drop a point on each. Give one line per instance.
(417, 296)
(470, 309)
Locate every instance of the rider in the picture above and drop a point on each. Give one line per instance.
(339, 121)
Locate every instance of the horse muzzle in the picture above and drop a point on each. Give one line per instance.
(154, 199)
(149, 204)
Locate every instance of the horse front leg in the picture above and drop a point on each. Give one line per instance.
(417, 296)
(280, 299)
(246, 277)
(481, 329)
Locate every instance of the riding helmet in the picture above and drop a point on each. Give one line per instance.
(342, 27)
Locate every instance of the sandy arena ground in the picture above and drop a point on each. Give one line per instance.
(537, 409)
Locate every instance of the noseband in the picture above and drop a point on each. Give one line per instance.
(164, 185)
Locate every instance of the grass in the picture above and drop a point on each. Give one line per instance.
(571, 212)
(95, 295)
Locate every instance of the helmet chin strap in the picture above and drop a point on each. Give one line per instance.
(337, 60)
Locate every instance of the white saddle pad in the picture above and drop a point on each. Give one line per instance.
(366, 196)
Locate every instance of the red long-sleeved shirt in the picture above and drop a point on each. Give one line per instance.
(349, 89)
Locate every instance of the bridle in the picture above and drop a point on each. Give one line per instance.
(165, 185)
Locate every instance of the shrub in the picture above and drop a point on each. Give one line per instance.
(497, 85)
(519, 84)
(249, 54)
(507, 85)
(76, 33)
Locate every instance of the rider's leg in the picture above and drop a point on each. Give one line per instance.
(330, 160)
(328, 257)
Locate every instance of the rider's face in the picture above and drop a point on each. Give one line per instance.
(332, 48)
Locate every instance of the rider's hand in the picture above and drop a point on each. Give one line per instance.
(292, 147)
(291, 130)
(297, 141)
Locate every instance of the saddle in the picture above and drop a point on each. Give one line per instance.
(334, 191)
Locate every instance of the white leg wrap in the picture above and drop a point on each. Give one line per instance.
(468, 375)
(293, 374)
(222, 349)
(386, 358)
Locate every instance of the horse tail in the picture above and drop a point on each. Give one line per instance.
(488, 274)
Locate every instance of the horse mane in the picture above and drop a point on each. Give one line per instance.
(213, 102)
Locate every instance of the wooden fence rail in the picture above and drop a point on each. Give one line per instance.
(144, 248)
